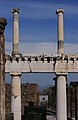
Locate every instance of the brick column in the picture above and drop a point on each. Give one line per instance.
(76, 101)
(3, 23)
(68, 100)
(72, 101)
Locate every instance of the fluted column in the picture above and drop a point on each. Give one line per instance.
(3, 23)
(16, 95)
(60, 32)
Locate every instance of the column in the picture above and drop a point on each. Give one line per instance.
(3, 23)
(15, 30)
(72, 100)
(16, 96)
(76, 101)
(68, 100)
(60, 35)
(61, 109)
(53, 98)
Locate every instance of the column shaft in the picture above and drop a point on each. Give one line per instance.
(15, 30)
(76, 102)
(68, 101)
(3, 23)
(16, 97)
(61, 98)
(60, 31)
(72, 102)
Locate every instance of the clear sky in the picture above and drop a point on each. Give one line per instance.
(38, 26)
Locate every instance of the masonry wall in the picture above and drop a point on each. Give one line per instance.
(29, 93)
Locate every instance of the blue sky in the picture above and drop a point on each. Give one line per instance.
(38, 25)
(38, 19)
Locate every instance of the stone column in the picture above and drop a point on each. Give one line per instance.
(60, 12)
(61, 109)
(16, 95)
(3, 23)
(15, 30)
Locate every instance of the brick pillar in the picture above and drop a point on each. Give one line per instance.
(68, 100)
(72, 102)
(76, 102)
(3, 23)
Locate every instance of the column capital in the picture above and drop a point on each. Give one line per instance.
(61, 74)
(15, 73)
(15, 10)
(59, 11)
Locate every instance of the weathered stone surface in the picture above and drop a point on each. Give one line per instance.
(29, 94)
(3, 23)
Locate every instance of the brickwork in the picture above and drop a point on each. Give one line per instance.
(51, 92)
(29, 94)
(8, 98)
(72, 99)
(2, 68)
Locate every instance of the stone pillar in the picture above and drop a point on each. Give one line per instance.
(16, 96)
(60, 12)
(3, 23)
(61, 105)
(15, 31)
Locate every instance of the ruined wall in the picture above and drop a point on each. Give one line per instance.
(29, 93)
(2, 68)
(2, 77)
(8, 98)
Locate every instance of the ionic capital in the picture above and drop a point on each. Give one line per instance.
(61, 74)
(15, 10)
(59, 11)
(15, 73)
